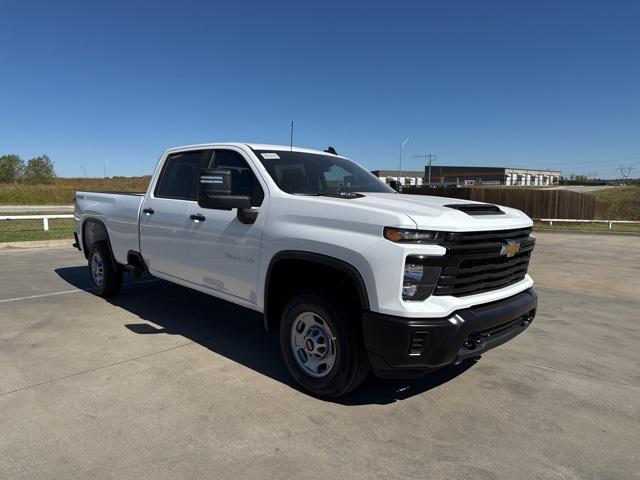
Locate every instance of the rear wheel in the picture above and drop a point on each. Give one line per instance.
(106, 277)
(322, 344)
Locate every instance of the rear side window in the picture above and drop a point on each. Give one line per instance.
(179, 177)
(243, 180)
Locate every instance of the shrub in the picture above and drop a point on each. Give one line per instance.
(39, 170)
(11, 167)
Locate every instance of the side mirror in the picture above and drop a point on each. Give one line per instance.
(214, 191)
(395, 185)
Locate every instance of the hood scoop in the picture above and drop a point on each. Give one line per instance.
(476, 209)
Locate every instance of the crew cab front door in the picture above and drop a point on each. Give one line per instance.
(222, 252)
(165, 213)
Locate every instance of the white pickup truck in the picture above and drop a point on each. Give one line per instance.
(353, 275)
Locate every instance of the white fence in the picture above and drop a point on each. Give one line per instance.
(565, 220)
(44, 218)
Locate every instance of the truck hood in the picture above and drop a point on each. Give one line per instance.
(429, 212)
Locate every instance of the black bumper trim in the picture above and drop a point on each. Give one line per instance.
(463, 334)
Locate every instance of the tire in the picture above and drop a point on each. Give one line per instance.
(105, 275)
(309, 317)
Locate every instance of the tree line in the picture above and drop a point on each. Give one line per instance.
(35, 170)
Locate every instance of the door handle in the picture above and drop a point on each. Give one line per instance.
(149, 211)
(198, 217)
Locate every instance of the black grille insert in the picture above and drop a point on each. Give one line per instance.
(419, 343)
(478, 262)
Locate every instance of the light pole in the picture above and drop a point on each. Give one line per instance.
(400, 166)
(106, 162)
(431, 158)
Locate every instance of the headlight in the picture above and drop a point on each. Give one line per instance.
(419, 280)
(405, 235)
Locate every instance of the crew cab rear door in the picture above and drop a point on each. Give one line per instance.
(165, 213)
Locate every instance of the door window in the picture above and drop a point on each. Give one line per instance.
(179, 177)
(243, 180)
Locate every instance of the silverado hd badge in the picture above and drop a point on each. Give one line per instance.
(510, 248)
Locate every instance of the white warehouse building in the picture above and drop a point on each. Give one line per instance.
(461, 176)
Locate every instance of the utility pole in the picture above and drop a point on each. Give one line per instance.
(430, 157)
(106, 162)
(625, 171)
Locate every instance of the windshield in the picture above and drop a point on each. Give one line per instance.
(316, 174)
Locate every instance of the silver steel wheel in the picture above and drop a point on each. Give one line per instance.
(97, 268)
(313, 344)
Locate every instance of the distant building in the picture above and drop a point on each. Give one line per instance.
(461, 176)
(407, 177)
(443, 175)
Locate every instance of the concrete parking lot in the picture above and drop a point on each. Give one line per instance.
(162, 382)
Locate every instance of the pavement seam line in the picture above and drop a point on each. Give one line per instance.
(561, 370)
(71, 375)
(64, 292)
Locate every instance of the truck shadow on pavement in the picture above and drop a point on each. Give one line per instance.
(236, 333)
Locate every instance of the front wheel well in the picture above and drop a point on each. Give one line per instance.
(293, 272)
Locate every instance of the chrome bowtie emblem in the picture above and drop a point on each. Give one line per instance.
(510, 248)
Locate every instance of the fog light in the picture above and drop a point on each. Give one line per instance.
(419, 279)
(409, 291)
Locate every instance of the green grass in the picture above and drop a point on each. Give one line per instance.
(588, 227)
(62, 191)
(21, 230)
(618, 203)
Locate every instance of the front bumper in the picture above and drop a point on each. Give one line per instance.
(411, 347)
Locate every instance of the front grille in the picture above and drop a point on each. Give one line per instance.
(474, 264)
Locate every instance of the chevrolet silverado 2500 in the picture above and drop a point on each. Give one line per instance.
(354, 276)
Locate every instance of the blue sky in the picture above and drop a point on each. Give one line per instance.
(544, 84)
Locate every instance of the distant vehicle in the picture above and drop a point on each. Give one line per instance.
(353, 275)
(469, 183)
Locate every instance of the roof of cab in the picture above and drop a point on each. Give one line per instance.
(253, 146)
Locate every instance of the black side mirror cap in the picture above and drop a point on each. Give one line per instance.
(395, 185)
(214, 190)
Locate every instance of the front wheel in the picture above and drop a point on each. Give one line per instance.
(105, 275)
(321, 342)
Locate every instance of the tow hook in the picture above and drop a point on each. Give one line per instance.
(473, 343)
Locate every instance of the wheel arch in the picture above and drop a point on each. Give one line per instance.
(284, 260)
(94, 230)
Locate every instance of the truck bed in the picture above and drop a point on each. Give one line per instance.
(113, 192)
(118, 211)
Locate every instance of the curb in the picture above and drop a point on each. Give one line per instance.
(66, 242)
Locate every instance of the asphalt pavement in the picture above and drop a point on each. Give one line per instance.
(163, 382)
